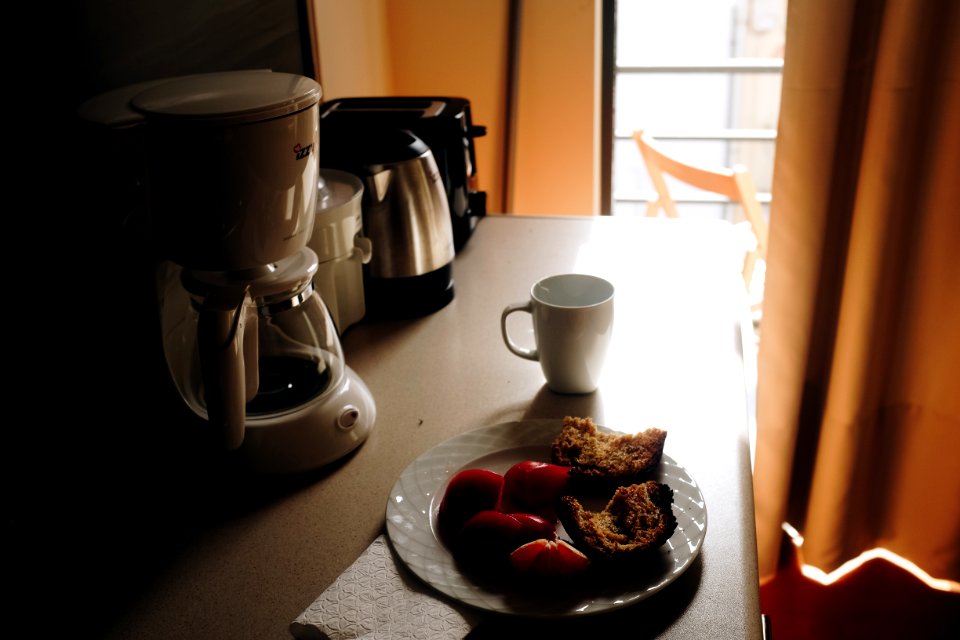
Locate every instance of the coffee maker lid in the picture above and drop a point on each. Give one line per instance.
(113, 109)
(229, 97)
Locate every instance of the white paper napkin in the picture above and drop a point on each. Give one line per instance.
(375, 599)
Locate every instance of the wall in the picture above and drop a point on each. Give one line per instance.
(118, 43)
(351, 44)
(459, 48)
(557, 157)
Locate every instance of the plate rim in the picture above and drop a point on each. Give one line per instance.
(401, 504)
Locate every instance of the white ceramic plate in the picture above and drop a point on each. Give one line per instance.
(415, 498)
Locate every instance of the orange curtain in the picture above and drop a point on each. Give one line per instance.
(858, 405)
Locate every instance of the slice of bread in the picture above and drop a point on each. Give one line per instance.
(616, 458)
(637, 519)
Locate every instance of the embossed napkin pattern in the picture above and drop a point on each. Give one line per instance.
(373, 599)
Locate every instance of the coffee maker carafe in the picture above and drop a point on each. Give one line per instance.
(232, 175)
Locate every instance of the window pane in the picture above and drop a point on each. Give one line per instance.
(691, 31)
(695, 102)
(671, 101)
(674, 31)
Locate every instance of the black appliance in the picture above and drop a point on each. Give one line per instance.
(443, 123)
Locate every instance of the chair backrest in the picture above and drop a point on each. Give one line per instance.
(735, 183)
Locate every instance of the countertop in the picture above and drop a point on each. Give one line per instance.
(203, 551)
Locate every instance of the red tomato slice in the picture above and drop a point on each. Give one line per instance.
(534, 526)
(468, 493)
(549, 559)
(535, 487)
(490, 536)
(487, 539)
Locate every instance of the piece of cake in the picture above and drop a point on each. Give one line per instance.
(637, 519)
(616, 458)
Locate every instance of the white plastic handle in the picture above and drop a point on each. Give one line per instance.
(529, 354)
(228, 362)
(363, 249)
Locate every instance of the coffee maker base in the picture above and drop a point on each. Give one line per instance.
(314, 435)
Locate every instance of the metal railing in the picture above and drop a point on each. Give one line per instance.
(731, 65)
(738, 135)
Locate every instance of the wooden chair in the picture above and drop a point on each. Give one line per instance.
(735, 183)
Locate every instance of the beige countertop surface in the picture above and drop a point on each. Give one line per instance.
(241, 557)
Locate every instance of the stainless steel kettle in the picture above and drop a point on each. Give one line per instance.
(407, 219)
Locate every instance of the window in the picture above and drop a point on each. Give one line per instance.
(703, 77)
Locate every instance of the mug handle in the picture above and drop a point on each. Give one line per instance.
(529, 354)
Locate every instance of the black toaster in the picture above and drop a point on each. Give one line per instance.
(444, 124)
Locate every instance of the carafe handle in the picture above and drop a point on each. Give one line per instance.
(220, 335)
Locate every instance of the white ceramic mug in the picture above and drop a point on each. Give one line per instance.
(572, 318)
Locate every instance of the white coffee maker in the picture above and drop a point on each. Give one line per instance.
(232, 175)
